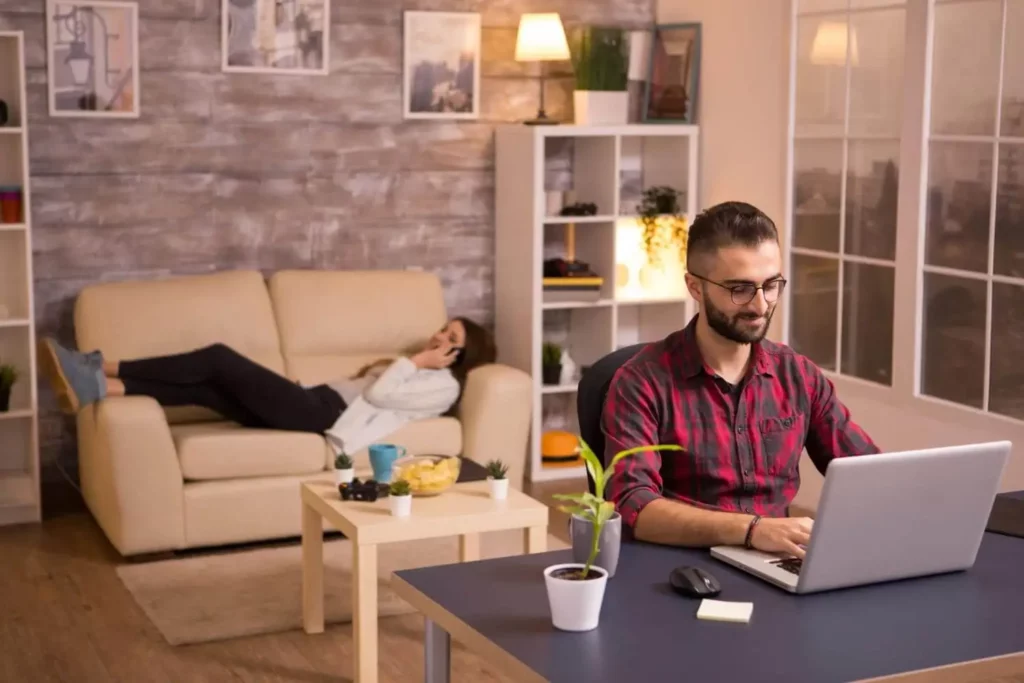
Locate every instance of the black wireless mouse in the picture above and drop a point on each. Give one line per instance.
(694, 582)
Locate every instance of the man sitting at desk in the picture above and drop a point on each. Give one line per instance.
(741, 406)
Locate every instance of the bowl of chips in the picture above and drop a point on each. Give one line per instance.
(428, 475)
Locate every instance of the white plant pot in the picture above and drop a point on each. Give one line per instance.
(344, 476)
(499, 488)
(575, 605)
(401, 506)
(601, 107)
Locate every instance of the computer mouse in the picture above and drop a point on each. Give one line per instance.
(694, 582)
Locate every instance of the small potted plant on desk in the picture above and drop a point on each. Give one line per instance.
(496, 477)
(576, 590)
(400, 496)
(551, 363)
(344, 472)
(8, 376)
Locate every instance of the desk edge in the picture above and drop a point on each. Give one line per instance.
(462, 631)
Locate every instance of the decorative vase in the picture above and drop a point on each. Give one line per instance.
(601, 107)
(568, 373)
(5, 399)
(344, 476)
(575, 603)
(551, 374)
(582, 533)
(499, 488)
(401, 506)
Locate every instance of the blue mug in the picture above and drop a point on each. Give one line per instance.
(382, 457)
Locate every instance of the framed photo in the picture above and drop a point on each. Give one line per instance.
(93, 58)
(276, 36)
(441, 74)
(674, 74)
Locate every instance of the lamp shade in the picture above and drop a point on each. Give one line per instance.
(541, 38)
(829, 46)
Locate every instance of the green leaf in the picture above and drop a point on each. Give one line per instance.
(605, 512)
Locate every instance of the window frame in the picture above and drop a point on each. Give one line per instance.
(904, 395)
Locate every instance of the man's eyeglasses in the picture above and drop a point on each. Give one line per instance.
(743, 293)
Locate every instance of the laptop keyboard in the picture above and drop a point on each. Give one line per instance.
(790, 564)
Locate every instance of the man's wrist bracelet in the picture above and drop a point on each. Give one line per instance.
(750, 531)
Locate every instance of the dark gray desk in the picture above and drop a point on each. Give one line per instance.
(648, 633)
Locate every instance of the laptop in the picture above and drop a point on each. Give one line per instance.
(889, 516)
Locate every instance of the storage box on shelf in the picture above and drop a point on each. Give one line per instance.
(601, 172)
(19, 456)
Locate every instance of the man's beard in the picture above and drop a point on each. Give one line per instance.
(734, 329)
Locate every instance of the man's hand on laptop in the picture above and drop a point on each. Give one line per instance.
(783, 535)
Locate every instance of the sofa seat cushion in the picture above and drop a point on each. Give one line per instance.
(224, 450)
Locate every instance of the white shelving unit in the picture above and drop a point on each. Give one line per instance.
(19, 440)
(609, 167)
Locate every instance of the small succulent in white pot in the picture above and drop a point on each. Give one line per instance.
(344, 471)
(400, 496)
(497, 478)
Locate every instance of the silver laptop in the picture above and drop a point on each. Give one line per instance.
(889, 516)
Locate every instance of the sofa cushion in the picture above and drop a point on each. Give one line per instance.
(331, 322)
(138, 319)
(224, 450)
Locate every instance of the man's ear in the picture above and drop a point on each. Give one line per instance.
(693, 285)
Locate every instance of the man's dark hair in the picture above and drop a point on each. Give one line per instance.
(726, 225)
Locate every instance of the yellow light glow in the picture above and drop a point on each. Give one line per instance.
(541, 38)
(636, 278)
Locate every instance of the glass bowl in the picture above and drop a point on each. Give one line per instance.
(428, 475)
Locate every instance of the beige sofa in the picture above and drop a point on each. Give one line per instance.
(164, 479)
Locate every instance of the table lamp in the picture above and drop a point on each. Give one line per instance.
(541, 38)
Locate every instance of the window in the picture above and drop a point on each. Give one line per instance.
(972, 300)
(845, 164)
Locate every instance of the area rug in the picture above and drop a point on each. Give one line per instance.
(241, 593)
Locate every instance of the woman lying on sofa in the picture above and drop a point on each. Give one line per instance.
(351, 413)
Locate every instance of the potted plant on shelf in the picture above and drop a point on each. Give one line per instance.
(496, 477)
(8, 376)
(344, 472)
(551, 363)
(664, 225)
(600, 58)
(400, 495)
(586, 511)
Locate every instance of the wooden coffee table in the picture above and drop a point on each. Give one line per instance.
(465, 510)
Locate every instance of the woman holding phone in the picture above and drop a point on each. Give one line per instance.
(351, 412)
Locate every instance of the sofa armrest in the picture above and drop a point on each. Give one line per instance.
(130, 476)
(495, 413)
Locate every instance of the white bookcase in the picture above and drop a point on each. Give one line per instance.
(609, 167)
(19, 441)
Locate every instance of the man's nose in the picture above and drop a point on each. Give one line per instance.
(759, 304)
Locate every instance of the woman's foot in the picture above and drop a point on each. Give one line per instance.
(76, 378)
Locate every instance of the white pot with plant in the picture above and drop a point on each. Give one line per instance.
(400, 497)
(497, 472)
(576, 590)
(600, 59)
(344, 472)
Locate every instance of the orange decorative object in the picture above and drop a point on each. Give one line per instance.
(559, 448)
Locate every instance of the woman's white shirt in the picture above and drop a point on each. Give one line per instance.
(378, 407)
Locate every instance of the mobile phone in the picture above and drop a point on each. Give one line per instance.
(459, 352)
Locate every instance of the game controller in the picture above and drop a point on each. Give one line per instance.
(369, 490)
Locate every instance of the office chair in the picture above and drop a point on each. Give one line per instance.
(590, 395)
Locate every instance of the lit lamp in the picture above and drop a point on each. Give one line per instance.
(541, 38)
(830, 44)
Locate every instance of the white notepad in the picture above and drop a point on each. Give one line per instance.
(721, 610)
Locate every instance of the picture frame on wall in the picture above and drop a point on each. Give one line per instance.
(441, 65)
(276, 36)
(92, 49)
(671, 94)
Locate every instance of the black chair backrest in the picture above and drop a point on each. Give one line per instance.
(590, 397)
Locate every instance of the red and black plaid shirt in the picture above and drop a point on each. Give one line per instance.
(742, 444)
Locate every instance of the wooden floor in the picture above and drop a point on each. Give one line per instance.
(65, 616)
